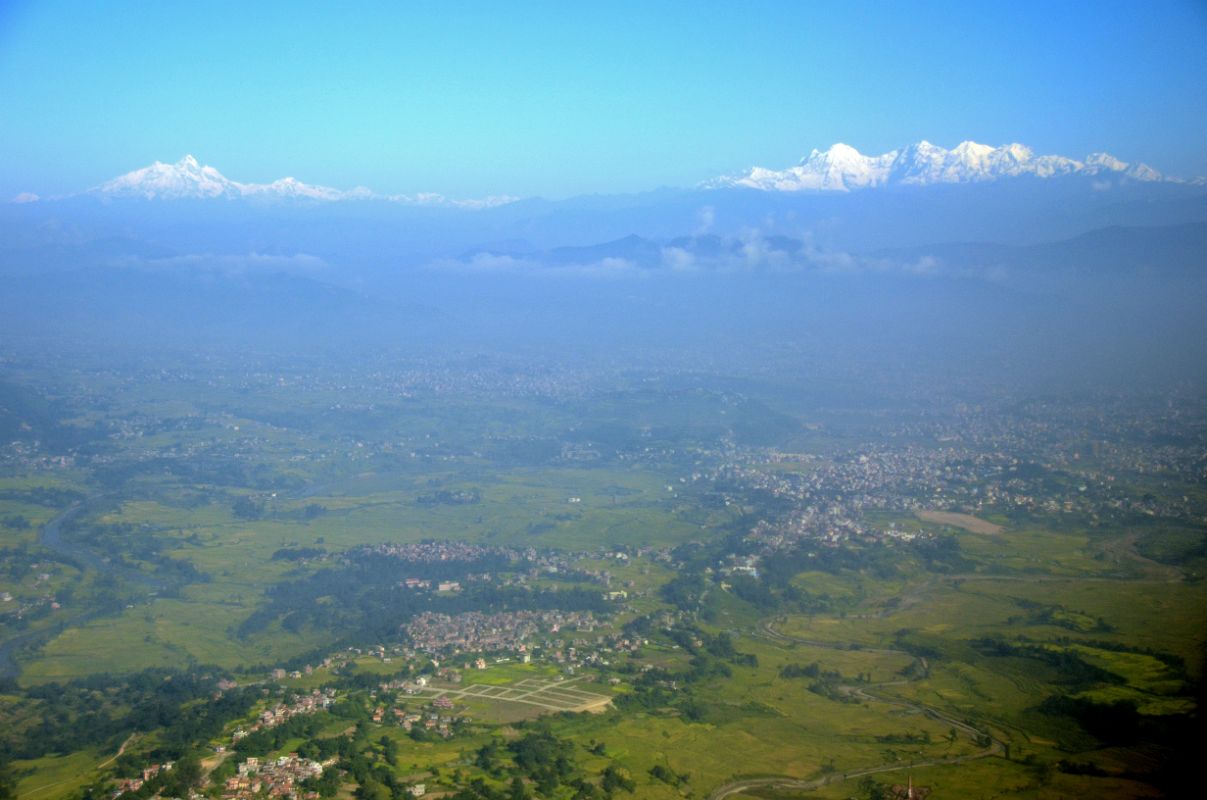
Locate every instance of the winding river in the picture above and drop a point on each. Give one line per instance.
(51, 537)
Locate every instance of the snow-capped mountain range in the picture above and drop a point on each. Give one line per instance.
(842, 168)
(189, 179)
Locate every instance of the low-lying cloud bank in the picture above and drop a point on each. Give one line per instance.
(752, 252)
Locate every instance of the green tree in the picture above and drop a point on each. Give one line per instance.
(612, 779)
(8, 784)
(373, 790)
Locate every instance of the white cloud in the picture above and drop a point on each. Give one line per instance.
(677, 259)
(750, 252)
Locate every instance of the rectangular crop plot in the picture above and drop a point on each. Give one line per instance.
(547, 695)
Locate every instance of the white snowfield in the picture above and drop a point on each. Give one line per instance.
(842, 168)
(189, 179)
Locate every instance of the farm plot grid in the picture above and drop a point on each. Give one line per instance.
(549, 695)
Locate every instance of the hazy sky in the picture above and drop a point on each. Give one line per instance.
(566, 98)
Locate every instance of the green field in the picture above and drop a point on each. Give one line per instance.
(981, 666)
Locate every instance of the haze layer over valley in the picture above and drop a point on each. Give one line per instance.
(581, 402)
(936, 253)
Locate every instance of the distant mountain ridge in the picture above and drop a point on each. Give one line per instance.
(188, 179)
(1113, 251)
(842, 168)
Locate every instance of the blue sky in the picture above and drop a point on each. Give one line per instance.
(557, 99)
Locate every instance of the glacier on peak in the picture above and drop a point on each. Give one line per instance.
(842, 168)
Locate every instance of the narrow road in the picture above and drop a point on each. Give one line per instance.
(119, 752)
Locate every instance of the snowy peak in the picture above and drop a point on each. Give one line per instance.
(1104, 161)
(293, 189)
(842, 168)
(184, 179)
(188, 179)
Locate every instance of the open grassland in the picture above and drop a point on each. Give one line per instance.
(1162, 616)
(57, 776)
(757, 722)
(830, 693)
(1015, 547)
(1093, 619)
(28, 502)
(614, 508)
(963, 521)
(753, 723)
(1035, 551)
(571, 509)
(973, 607)
(978, 606)
(510, 672)
(981, 780)
(746, 743)
(166, 633)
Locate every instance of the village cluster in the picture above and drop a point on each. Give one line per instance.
(437, 717)
(273, 777)
(420, 703)
(507, 631)
(279, 777)
(1051, 461)
(37, 597)
(125, 785)
(306, 704)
